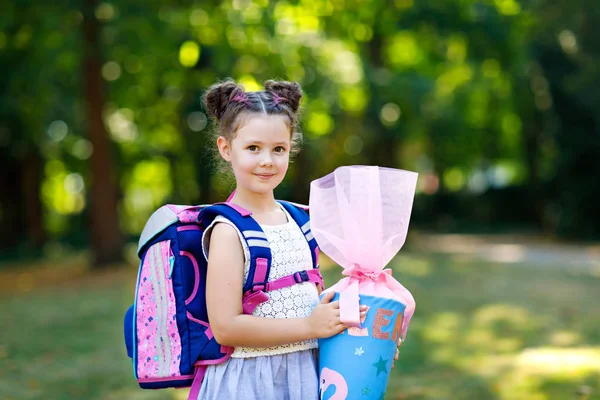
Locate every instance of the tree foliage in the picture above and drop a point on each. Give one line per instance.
(483, 98)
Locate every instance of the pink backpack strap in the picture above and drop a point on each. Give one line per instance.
(230, 197)
(242, 211)
(197, 383)
(252, 299)
(255, 296)
(311, 275)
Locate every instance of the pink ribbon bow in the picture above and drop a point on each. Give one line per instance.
(349, 293)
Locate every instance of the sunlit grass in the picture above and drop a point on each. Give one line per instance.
(480, 331)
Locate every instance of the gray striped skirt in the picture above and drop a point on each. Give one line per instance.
(290, 376)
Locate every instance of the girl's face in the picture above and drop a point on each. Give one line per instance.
(260, 152)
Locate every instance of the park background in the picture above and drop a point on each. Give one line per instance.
(495, 103)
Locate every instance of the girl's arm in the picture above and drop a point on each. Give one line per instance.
(224, 302)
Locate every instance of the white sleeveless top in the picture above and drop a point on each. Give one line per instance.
(290, 253)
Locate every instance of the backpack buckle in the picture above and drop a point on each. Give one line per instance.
(259, 287)
(301, 276)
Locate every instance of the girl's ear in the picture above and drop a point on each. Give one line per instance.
(224, 148)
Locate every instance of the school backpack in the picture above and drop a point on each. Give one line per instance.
(167, 331)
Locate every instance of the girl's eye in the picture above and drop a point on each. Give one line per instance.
(279, 149)
(253, 148)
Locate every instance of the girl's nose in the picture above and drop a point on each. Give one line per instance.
(266, 161)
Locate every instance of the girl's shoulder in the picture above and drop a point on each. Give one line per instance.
(224, 232)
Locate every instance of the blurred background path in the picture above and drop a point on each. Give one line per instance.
(529, 249)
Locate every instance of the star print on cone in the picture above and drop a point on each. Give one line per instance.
(359, 217)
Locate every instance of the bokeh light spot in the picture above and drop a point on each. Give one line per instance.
(454, 179)
(111, 71)
(508, 7)
(390, 113)
(353, 145)
(568, 42)
(121, 125)
(105, 12)
(319, 123)
(249, 83)
(73, 183)
(57, 130)
(353, 99)
(197, 121)
(82, 149)
(189, 53)
(198, 17)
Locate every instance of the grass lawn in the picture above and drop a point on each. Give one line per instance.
(480, 331)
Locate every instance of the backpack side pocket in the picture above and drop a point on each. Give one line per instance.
(159, 343)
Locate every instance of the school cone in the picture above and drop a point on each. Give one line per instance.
(359, 216)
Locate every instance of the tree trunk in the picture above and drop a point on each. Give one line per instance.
(536, 199)
(11, 203)
(106, 237)
(31, 181)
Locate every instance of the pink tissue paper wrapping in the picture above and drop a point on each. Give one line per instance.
(360, 217)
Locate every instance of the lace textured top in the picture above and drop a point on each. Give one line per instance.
(290, 253)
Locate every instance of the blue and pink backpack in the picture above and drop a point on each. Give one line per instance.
(167, 331)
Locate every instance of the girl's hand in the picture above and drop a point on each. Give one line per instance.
(325, 321)
(397, 352)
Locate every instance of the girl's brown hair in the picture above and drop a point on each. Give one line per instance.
(227, 103)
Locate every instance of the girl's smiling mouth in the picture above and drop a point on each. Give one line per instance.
(265, 176)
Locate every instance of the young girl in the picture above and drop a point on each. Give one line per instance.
(275, 347)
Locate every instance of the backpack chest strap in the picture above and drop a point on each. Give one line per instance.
(311, 275)
(256, 296)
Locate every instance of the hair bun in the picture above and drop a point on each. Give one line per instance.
(291, 91)
(218, 95)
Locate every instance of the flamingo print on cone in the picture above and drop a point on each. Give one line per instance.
(330, 377)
